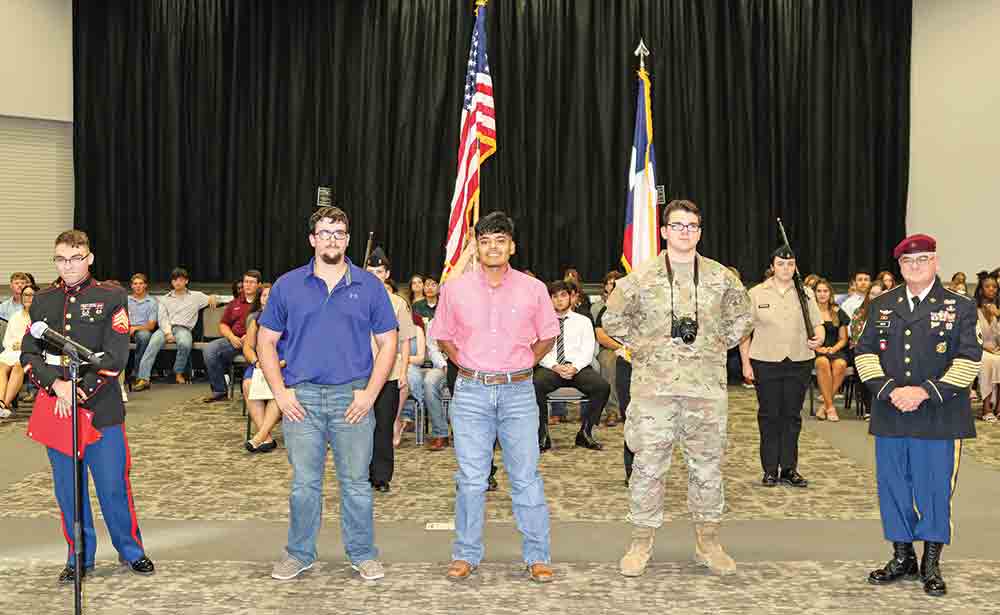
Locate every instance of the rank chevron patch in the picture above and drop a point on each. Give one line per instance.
(119, 321)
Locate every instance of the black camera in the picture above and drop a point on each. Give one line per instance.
(685, 328)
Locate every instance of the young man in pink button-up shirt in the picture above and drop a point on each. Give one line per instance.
(495, 324)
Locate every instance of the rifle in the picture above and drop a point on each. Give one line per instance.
(800, 288)
(368, 249)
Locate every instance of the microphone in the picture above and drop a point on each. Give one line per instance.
(41, 331)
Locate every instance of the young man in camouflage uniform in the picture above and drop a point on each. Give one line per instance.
(678, 314)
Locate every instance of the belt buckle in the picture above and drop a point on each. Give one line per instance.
(64, 360)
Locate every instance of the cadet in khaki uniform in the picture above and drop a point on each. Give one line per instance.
(678, 313)
(779, 362)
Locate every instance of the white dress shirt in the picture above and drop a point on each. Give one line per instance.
(578, 343)
(923, 294)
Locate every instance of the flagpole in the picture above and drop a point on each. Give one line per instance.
(475, 209)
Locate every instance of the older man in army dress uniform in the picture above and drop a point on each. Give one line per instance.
(918, 354)
(96, 316)
(678, 314)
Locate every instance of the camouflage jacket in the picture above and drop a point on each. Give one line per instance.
(639, 314)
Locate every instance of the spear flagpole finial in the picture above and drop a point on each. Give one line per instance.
(642, 51)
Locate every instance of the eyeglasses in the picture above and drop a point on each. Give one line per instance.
(916, 260)
(74, 260)
(678, 227)
(325, 235)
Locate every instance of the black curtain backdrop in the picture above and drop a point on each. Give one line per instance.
(203, 127)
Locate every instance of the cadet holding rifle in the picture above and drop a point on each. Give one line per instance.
(778, 360)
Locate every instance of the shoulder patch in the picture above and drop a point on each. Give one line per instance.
(119, 321)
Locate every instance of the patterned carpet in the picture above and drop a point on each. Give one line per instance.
(196, 450)
(230, 588)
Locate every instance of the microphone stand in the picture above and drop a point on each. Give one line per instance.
(74, 372)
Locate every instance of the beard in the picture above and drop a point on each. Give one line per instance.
(333, 259)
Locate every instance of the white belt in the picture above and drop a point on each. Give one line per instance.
(57, 360)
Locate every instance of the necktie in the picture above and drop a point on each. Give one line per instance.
(916, 302)
(560, 348)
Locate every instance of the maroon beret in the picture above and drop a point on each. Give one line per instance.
(915, 244)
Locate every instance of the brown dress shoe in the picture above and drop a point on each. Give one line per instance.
(140, 385)
(611, 421)
(437, 444)
(180, 379)
(541, 573)
(209, 399)
(554, 420)
(460, 570)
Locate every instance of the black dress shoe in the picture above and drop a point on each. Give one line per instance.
(903, 565)
(793, 478)
(491, 484)
(770, 479)
(267, 447)
(66, 576)
(381, 487)
(586, 440)
(930, 571)
(142, 566)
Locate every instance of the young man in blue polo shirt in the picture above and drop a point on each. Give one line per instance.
(320, 319)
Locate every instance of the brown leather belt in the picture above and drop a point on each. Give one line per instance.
(491, 378)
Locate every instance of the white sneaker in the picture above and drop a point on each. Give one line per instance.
(370, 569)
(288, 568)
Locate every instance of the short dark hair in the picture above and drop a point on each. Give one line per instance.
(679, 205)
(495, 222)
(73, 239)
(19, 275)
(141, 276)
(430, 278)
(333, 214)
(179, 272)
(558, 286)
(861, 272)
(253, 273)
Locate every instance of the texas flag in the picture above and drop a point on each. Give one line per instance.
(641, 226)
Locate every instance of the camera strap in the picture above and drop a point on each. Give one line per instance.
(670, 277)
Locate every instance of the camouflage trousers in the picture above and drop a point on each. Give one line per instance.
(651, 429)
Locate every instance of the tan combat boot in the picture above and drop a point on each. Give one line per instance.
(708, 552)
(634, 562)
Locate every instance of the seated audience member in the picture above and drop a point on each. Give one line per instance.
(11, 371)
(854, 334)
(18, 282)
(609, 285)
(237, 288)
(142, 314)
(958, 283)
(426, 306)
(264, 414)
(219, 354)
(176, 318)
(415, 291)
(581, 304)
(568, 365)
(861, 281)
(434, 380)
(886, 280)
(831, 357)
(417, 354)
(811, 280)
(607, 358)
(988, 305)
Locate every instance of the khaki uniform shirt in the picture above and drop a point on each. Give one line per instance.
(779, 331)
(639, 314)
(407, 331)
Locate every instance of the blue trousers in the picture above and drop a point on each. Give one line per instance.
(109, 462)
(916, 482)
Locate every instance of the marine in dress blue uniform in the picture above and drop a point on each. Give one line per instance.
(918, 355)
(94, 314)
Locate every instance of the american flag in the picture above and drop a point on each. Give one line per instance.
(477, 143)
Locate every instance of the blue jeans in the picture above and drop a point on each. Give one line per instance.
(219, 356)
(427, 386)
(480, 414)
(141, 338)
(182, 335)
(306, 442)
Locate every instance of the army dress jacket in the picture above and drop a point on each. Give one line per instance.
(639, 314)
(95, 315)
(937, 347)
